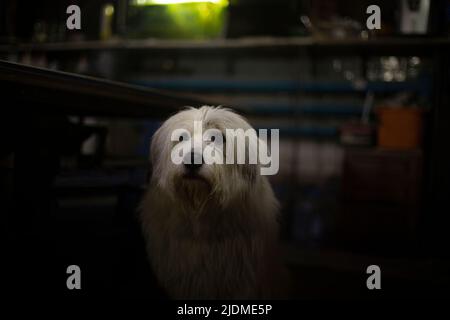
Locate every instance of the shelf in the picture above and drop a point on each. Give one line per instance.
(423, 86)
(240, 43)
(315, 109)
(424, 269)
(303, 131)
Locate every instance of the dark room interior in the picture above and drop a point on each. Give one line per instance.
(363, 118)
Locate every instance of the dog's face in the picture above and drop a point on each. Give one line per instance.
(198, 181)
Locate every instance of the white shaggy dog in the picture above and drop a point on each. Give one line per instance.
(211, 230)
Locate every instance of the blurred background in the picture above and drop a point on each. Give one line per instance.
(363, 118)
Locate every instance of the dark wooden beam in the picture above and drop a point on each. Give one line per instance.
(56, 92)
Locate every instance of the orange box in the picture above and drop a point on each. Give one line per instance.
(400, 127)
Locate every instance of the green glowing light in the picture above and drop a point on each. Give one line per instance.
(109, 10)
(177, 19)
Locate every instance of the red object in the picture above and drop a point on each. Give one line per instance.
(400, 128)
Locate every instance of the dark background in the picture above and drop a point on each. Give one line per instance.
(73, 150)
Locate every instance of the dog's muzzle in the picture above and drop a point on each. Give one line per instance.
(193, 161)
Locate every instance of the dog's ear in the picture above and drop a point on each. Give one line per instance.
(150, 161)
(149, 172)
(156, 144)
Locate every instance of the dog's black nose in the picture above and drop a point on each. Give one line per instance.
(195, 161)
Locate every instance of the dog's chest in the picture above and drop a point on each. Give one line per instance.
(218, 268)
(190, 253)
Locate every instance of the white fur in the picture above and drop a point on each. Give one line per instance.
(214, 237)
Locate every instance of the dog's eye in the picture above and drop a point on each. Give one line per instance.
(184, 136)
(213, 138)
